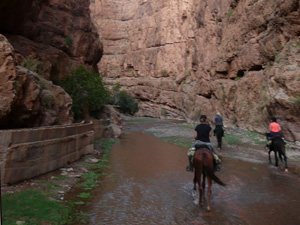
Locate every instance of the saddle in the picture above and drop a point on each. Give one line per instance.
(199, 146)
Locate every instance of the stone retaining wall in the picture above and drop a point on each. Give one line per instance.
(26, 153)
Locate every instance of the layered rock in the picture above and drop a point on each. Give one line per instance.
(185, 58)
(60, 34)
(28, 100)
(50, 38)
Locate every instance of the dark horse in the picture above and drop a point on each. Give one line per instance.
(204, 165)
(278, 147)
(219, 132)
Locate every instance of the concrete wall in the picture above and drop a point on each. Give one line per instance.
(26, 153)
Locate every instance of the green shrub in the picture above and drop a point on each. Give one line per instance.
(296, 101)
(47, 100)
(164, 73)
(127, 104)
(229, 13)
(164, 112)
(33, 64)
(86, 90)
(68, 41)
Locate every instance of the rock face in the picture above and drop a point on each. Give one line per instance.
(28, 100)
(185, 58)
(60, 34)
(50, 38)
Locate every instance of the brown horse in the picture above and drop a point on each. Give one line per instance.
(204, 165)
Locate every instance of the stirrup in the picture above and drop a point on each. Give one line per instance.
(217, 168)
(217, 159)
(189, 168)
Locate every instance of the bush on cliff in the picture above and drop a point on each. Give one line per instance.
(127, 104)
(87, 92)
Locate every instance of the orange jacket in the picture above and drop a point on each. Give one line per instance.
(275, 127)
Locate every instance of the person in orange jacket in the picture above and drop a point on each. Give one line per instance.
(275, 129)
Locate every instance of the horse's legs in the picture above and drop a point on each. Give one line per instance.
(203, 184)
(195, 186)
(284, 156)
(219, 139)
(285, 162)
(209, 183)
(276, 159)
(200, 190)
(270, 160)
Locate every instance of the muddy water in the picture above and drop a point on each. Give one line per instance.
(150, 186)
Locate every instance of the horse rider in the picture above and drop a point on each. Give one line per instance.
(202, 133)
(275, 129)
(219, 127)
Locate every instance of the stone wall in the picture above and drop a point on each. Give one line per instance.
(26, 153)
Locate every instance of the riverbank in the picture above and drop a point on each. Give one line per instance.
(58, 196)
(237, 143)
(74, 183)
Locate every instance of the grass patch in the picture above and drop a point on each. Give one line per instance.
(90, 179)
(60, 177)
(177, 141)
(232, 140)
(33, 207)
(84, 195)
(141, 120)
(256, 138)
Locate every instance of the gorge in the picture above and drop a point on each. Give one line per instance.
(183, 58)
(179, 58)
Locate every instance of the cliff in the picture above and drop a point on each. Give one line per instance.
(51, 38)
(185, 58)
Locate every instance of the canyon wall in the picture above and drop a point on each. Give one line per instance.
(50, 38)
(183, 58)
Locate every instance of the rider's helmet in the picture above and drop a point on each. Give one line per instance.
(273, 119)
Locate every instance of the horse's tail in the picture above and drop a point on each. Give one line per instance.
(210, 173)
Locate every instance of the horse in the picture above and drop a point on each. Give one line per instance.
(204, 165)
(278, 146)
(219, 132)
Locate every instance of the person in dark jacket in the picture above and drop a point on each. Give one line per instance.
(219, 129)
(202, 135)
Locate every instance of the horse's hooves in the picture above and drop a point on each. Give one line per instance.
(207, 208)
(194, 194)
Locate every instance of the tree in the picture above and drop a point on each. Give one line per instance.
(86, 90)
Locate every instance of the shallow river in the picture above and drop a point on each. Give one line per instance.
(150, 186)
